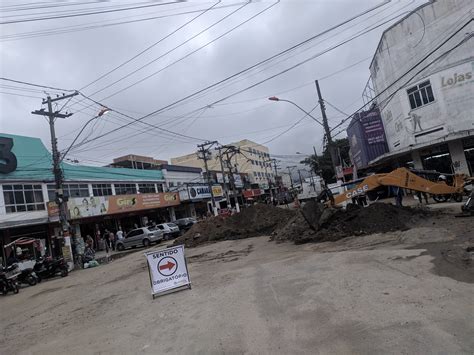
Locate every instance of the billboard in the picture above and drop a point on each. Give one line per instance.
(366, 136)
(83, 207)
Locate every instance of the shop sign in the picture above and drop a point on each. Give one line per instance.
(252, 193)
(217, 191)
(197, 192)
(105, 205)
(168, 270)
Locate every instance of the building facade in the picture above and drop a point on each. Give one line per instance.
(98, 198)
(428, 114)
(254, 162)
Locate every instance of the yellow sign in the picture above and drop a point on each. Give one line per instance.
(217, 191)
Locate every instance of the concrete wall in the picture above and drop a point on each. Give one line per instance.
(451, 77)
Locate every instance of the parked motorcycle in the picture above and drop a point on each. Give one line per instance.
(28, 276)
(8, 281)
(46, 268)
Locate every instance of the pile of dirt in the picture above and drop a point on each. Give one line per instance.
(316, 225)
(257, 220)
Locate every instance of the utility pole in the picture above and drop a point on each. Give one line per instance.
(204, 150)
(289, 173)
(230, 152)
(331, 148)
(57, 171)
(301, 180)
(226, 188)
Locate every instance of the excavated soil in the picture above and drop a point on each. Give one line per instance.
(334, 224)
(257, 220)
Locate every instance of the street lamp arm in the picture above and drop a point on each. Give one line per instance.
(101, 113)
(302, 109)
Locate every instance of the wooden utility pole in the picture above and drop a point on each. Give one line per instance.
(331, 148)
(57, 171)
(204, 150)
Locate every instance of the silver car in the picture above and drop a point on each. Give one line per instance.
(140, 237)
(170, 230)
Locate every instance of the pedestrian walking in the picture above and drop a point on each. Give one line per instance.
(119, 234)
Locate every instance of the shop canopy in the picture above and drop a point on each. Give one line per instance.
(34, 163)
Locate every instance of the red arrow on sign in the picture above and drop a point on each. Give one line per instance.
(169, 265)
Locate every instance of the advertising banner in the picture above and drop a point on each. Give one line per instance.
(217, 191)
(82, 207)
(197, 192)
(167, 269)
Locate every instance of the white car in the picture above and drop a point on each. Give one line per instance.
(170, 230)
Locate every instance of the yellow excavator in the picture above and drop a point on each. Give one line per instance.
(406, 179)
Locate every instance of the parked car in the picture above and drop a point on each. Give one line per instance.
(185, 223)
(170, 230)
(140, 237)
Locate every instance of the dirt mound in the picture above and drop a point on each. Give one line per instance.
(253, 221)
(336, 224)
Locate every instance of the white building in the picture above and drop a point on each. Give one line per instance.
(428, 114)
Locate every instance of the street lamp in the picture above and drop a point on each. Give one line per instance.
(274, 98)
(325, 125)
(102, 112)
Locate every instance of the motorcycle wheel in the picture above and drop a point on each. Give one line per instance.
(64, 272)
(4, 290)
(15, 289)
(31, 280)
(457, 197)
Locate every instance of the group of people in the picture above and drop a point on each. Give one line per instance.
(109, 239)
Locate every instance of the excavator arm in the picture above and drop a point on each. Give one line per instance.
(404, 178)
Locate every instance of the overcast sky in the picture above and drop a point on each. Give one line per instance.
(74, 59)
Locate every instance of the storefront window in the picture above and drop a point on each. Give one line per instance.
(102, 189)
(22, 198)
(146, 188)
(69, 190)
(125, 189)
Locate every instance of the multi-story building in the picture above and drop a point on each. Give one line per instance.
(428, 113)
(98, 198)
(254, 161)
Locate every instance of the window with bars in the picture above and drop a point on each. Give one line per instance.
(22, 198)
(69, 190)
(102, 189)
(421, 94)
(146, 188)
(125, 189)
(160, 188)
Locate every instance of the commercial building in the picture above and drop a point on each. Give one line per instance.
(98, 198)
(254, 162)
(428, 114)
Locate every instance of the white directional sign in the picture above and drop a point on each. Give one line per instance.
(168, 269)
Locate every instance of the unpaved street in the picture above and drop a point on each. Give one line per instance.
(373, 294)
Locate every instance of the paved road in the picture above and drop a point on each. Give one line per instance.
(255, 297)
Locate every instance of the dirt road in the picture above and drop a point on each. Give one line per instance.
(372, 294)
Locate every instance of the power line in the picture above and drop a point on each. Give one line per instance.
(414, 66)
(152, 45)
(192, 52)
(97, 24)
(37, 85)
(86, 13)
(242, 71)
